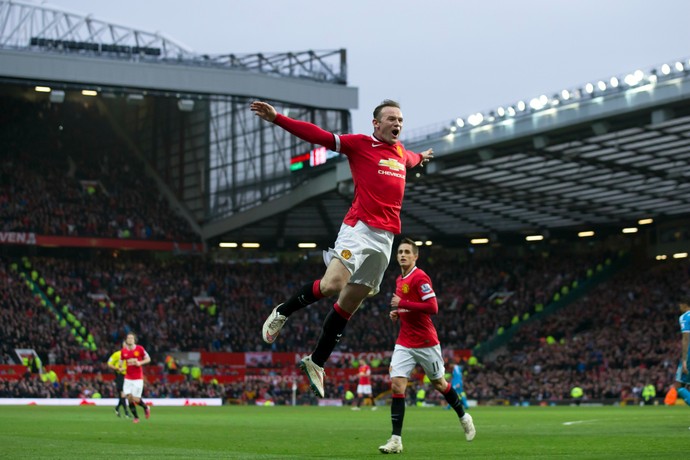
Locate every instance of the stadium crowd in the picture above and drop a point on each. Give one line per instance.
(619, 338)
(64, 173)
(61, 175)
(156, 298)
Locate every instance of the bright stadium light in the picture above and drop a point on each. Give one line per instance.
(428, 243)
(534, 237)
(613, 82)
(645, 221)
(306, 245)
(89, 92)
(227, 245)
(538, 103)
(511, 111)
(251, 245)
(418, 243)
(589, 88)
(630, 230)
(479, 240)
(633, 79)
(565, 94)
(585, 234)
(661, 257)
(521, 106)
(679, 66)
(460, 122)
(42, 89)
(501, 112)
(601, 85)
(666, 69)
(680, 255)
(475, 119)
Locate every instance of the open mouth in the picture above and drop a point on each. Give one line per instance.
(395, 132)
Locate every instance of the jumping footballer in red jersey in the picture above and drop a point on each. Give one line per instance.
(135, 356)
(361, 253)
(413, 304)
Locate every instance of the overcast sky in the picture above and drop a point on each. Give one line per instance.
(441, 59)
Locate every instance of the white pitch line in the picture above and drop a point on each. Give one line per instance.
(576, 422)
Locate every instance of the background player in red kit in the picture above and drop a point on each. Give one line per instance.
(363, 384)
(413, 304)
(362, 249)
(135, 356)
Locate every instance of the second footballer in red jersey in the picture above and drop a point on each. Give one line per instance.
(135, 356)
(412, 305)
(360, 256)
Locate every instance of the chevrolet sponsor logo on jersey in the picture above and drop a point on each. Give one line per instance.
(392, 164)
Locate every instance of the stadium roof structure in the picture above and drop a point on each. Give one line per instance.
(600, 156)
(40, 42)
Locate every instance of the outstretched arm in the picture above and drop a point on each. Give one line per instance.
(306, 131)
(427, 155)
(264, 111)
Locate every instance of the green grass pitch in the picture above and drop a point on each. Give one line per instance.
(241, 432)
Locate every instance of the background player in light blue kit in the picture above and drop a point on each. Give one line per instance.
(682, 375)
(456, 383)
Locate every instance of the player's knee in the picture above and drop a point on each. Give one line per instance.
(332, 285)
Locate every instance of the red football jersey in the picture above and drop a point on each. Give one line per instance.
(378, 171)
(381, 166)
(134, 372)
(364, 374)
(416, 328)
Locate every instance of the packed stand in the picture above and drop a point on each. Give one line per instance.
(156, 299)
(64, 172)
(622, 336)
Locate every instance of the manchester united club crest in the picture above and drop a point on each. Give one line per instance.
(346, 254)
(405, 288)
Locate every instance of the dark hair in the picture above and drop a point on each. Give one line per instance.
(385, 103)
(410, 241)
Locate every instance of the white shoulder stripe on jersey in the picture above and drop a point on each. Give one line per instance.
(337, 142)
(428, 296)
